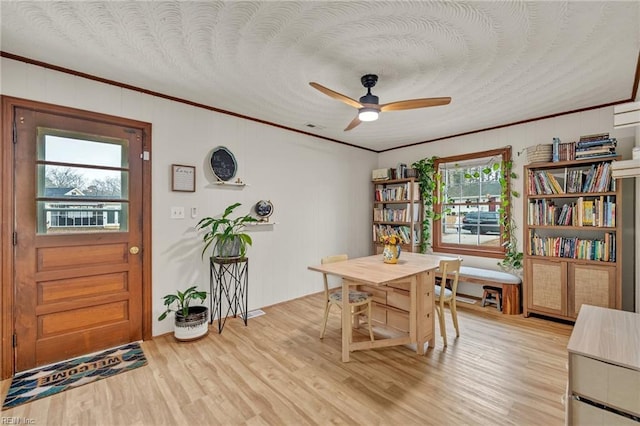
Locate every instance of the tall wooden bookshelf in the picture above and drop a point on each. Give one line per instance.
(572, 237)
(397, 209)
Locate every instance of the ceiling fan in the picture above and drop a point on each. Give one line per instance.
(369, 106)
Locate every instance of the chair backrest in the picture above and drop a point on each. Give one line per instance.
(450, 269)
(331, 259)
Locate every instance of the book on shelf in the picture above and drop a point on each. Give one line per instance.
(595, 179)
(596, 150)
(594, 146)
(547, 213)
(401, 231)
(396, 192)
(543, 182)
(603, 249)
(567, 151)
(598, 178)
(605, 143)
(594, 137)
(391, 173)
(398, 213)
(574, 180)
(595, 155)
(555, 185)
(588, 146)
(538, 183)
(541, 212)
(587, 212)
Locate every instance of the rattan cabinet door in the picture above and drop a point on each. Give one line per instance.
(592, 285)
(547, 286)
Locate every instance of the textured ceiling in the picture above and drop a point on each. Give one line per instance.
(500, 62)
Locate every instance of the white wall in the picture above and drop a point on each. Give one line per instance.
(567, 127)
(320, 190)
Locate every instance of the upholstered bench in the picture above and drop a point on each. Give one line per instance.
(510, 284)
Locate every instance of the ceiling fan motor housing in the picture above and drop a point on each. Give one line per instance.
(368, 81)
(369, 99)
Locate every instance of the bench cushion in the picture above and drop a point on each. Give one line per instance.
(489, 275)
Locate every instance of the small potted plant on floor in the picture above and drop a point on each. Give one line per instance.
(191, 322)
(226, 234)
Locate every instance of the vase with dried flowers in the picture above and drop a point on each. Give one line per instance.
(392, 248)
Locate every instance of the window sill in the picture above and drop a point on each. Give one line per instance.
(468, 251)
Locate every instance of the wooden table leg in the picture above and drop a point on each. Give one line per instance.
(431, 289)
(414, 316)
(346, 321)
(424, 311)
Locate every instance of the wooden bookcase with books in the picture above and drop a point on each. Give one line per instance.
(397, 209)
(572, 237)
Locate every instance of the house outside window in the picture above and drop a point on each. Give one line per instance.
(471, 202)
(67, 216)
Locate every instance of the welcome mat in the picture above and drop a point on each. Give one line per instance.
(55, 378)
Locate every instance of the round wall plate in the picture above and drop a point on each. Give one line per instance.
(264, 209)
(223, 163)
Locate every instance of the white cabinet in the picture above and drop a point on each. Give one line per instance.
(604, 368)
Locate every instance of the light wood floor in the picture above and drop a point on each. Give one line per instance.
(504, 370)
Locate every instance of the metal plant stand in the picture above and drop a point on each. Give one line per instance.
(229, 282)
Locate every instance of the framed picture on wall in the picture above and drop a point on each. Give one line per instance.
(183, 178)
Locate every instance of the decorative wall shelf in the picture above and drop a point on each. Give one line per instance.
(219, 184)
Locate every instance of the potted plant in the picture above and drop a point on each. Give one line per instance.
(191, 322)
(226, 234)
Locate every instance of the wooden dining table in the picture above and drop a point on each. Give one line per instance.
(418, 269)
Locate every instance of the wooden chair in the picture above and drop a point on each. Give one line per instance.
(450, 270)
(359, 302)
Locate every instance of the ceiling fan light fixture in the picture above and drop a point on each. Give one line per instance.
(369, 106)
(368, 114)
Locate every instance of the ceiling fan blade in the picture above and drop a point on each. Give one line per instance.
(414, 103)
(353, 123)
(339, 96)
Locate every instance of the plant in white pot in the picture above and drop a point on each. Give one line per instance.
(226, 234)
(191, 322)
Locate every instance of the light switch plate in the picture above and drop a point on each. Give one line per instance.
(177, 212)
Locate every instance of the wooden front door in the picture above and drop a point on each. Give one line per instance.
(78, 241)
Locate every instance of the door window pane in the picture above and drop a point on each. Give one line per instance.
(79, 182)
(82, 183)
(67, 217)
(100, 152)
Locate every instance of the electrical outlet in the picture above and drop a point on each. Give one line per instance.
(177, 212)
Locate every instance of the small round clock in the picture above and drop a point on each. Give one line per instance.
(223, 163)
(264, 209)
